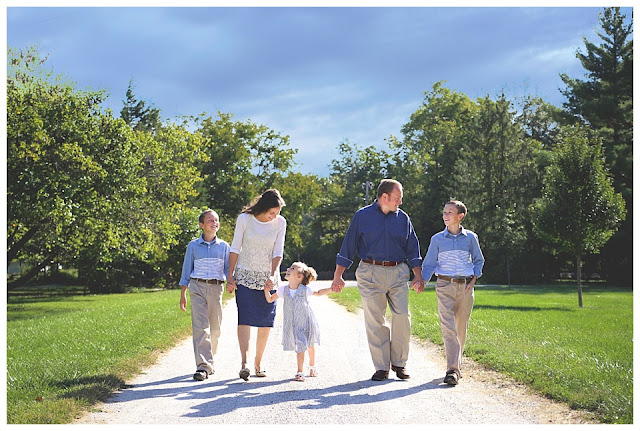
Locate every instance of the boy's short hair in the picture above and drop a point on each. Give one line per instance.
(386, 186)
(204, 213)
(462, 208)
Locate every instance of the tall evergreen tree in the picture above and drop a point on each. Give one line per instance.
(604, 101)
(138, 115)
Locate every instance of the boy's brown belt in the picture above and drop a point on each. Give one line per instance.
(456, 280)
(208, 280)
(381, 262)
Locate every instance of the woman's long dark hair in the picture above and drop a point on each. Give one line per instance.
(263, 203)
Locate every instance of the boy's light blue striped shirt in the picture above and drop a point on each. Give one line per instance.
(207, 260)
(453, 255)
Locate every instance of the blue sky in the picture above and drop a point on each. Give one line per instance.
(319, 75)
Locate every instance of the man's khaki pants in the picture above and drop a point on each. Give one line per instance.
(379, 285)
(206, 316)
(454, 310)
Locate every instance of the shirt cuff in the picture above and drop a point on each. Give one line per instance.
(415, 262)
(184, 282)
(343, 261)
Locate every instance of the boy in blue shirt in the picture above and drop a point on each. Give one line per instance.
(455, 256)
(206, 263)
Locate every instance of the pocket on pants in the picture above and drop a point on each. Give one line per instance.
(364, 273)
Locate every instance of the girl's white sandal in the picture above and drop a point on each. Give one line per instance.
(299, 377)
(313, 372)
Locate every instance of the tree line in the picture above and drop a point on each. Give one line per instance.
(117, 196)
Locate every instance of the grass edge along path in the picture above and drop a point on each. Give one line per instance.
(538, 336)
(68, 352)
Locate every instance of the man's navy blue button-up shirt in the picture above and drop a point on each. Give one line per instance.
(379, 236)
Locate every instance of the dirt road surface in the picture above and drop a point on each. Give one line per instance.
(341, 394)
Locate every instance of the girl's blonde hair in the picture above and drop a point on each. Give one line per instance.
(308, 273)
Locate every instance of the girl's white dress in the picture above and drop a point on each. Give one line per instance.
(300, 327)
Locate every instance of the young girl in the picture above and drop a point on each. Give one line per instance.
(300, 327)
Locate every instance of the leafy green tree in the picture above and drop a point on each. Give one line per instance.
(498, 179)
(340, 196)
(579, 209)
(425, 159)
(63, 155)
(242, 160)
(604, 101)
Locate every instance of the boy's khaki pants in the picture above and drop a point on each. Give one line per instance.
(379, 285)
(206, 316)
(454, 310)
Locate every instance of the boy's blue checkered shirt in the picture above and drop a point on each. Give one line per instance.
(453, 255)
(207, 260)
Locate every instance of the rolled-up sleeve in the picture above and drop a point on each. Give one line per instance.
(476, 256)
(430, 260)
(227, 249)
(187, 266)
(349, 244)
(413, 247)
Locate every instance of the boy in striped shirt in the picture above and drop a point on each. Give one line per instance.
(454, 255)
(204, 270)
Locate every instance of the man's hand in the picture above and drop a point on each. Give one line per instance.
(417, 284)
(337, 284)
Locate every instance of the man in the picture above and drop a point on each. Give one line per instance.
(383, 237)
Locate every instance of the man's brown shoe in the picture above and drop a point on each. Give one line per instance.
(401, 372)
(380, 375)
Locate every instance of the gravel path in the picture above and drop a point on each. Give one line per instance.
(342, 393)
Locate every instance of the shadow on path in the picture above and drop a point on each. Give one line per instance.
(225, 396)
(316, 398)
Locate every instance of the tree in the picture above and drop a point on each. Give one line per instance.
(604, 101)
(242, 160)
(498, 179)
(425, 160)
(63, 154)
(579, 209)
(138, 115)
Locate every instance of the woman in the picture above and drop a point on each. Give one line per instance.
(254, 263)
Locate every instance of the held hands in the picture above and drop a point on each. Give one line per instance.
(231, 284)
(417, 284)
(268, 285)
(337, 284)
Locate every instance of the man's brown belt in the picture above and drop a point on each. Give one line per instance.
(381, 262)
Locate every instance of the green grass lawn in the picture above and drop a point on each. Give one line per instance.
(66, 351)
(539, 336)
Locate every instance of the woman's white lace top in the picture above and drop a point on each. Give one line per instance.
(256, 244)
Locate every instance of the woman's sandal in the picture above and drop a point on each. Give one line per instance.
(260, 373)
(299, 377)
(244, 374)
(312, 371)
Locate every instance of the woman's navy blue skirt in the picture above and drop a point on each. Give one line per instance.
(253, 308)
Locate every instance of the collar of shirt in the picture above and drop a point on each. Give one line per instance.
(377, 207)
(215, 240)
(446, 232)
